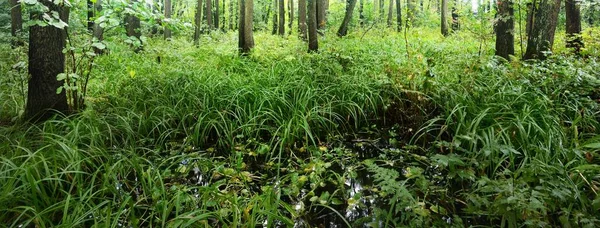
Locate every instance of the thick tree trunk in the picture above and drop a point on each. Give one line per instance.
(541, 36)
(246, 37)
(529, 18)
(361, 15)
(343, 31)
(198, 22)
(313, 42)
(302, 20)
(291, 15)
(390, 18)
(573, 14)
(281, 25)
(46, 61)
(16, 25)
(444, 17)
(321, 14)
(399, 15)
(505, 40)
(275, 16)
(168, 16)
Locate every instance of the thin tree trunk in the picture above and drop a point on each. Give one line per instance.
(321, 12)
(217, 15)
(529, 21)
(46, 61)
(444, 17)
(231, 2)
(98, 30)
(313, 42)
(209, 16)
(361, 15)
(390, 17)
(343, 31)
(246, 38)
(291, 15)
(275, 16)
(302, 20)
(399, 15)
(541, 36)
(281, 25)
(573, 14)
(167, 16)
(505, 40)
(381, 9)
(16, 25)
(198, 22)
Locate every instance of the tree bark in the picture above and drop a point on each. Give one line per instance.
(573, 13)
(302, 20)
(281, 25)
(167, 16)
(275, 16)
(541, 36)
(198, 22)
(444, 17)
(399, 15)
(343, 31)
(132, 28)
(381, 9)
(246, 37)
(216, 15)
(361, 15)
(390, 18)
(321, 14)
(98, 31)
(46, 61)
(505, 40)
(291, 15)
(231, 14)
(209, 15)
(529, 22)
(313, 42)
(16, 25)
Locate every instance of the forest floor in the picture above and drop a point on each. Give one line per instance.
(364, 133)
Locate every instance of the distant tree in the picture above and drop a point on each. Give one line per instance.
(275, 16)
(46, 61)
(16, 25)
(216, 14)
(231, 7)
(198, 22)
(411, 11)
(399, 15)
(209, 15)
(390, 17)
(321, 14)
(343, 31)
(444, 17)
(246, 37)
(573, 13)
(302, 20)
(541, 36)
(381, 9)
(505, 29)
(313, 41)
(291, 15)
(167, 16)
(281, 25)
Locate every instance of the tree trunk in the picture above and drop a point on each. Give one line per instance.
(321, 14)
(399, 15)
(541, 36)
(444, 17)
(98, 31)
(390, 18)
(90, 15)
(573, 14)
(505, 40)
(281, 12)
(529, 21)
(361, 15)
(343, 31)
(46, 61)
(231, 7)
(198, 22)
(275, 16)
(412, 10)
(132, 27)
(455, 22)
(302, 20)
(313, 42)
(16, 25)
(246, 37)
(291, 15)
(167, 16)
(216, 14)
(381, 9)
(209, 16)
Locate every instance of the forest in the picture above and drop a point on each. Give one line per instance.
(299, 113)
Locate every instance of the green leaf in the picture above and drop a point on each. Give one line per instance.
(99, 45)
(592, 146)
(30, 2)
(59, 90)
(61, 76)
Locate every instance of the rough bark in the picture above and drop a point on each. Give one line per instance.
(529, 18)
(573, 13)
(16, 25)
(46, 61)
(313, 42)
(302, 20)
(505, 39)
(541, 36)
(275, 16)
(246, 37)
(291, 15)
(321, 14)
(198, 22)
(399, 15)
(343, 31)
(168, 10)
(209, 15)
(281, 20)
(444, 17)
(390, 17)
